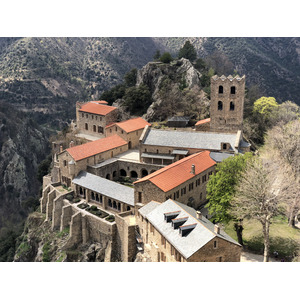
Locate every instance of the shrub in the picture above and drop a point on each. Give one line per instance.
(110, 218)
(70, 197)
(166, 58)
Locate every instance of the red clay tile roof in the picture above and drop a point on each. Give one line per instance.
(177, 173)
(96, 147)
(202, 122)
(96, 108)
(132, 124)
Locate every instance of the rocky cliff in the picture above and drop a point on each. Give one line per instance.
(175, 90)
(39, 243)
(23, 145)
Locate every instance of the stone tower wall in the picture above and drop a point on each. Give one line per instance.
(228, 118)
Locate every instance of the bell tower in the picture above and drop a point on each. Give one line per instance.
(227, 103)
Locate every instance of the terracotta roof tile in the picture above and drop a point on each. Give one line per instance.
(177, 173)
(95, 108)
(202, 121)
(96, 147)
(131, 125)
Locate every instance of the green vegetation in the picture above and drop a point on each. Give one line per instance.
(137, 99)
(63, 233)
(62, 256)
(221, 190)
(46, 252)
(283, 238)
(96, 211)
(188, 51)
(110, 218)
(166, 58)
(83, 205)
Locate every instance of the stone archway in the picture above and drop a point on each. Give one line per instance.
(107, 176)
(133, 174)
(123, 173)
(144, 173)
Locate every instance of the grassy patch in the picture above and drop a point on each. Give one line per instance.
(283, 238)
(24, 248)
(62, 256)
(110, 218)
(97, 212)
(46, 252)
(64, 232)
(83, 205)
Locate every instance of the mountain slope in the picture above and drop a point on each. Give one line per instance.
(271, 63)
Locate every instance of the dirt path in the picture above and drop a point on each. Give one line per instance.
(250, 257)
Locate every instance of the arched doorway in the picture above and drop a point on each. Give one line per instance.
(107, 176)
(123, 173)
(114, 174)
(129, 145)
(144, 172)
(133, 174)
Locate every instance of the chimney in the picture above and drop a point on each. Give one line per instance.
(60, 148)
(71, 144)
(198, 215)
(217, 229)
(193, 169)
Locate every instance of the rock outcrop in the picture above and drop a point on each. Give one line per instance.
(175, 88)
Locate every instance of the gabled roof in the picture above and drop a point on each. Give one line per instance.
(95, 147)
(94, 107)
(131, 125)
(177, 173)
(202, 231)
(105, 187)
(203, 121)
(189, 140)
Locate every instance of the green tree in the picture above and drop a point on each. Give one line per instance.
(200, 64)
(265, 106)
(137, 99)
(166, 58)
(130, 77)
(188, 51)
(157, 55)
(221, 189)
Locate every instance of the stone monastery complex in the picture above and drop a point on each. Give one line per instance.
(139, 191)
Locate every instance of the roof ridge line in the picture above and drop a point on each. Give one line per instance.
(164, 169)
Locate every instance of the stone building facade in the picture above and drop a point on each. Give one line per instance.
(173, 232)
(129, 130)
(92, 117)
(75, 159)
(184, 181)
(165, 147)
(227, 103)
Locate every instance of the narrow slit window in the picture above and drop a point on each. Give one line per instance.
(231, 106)
(232, 90)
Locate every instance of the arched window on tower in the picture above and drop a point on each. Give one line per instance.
(220, 89)
(220, 105)
(231, 107)
(232, 90)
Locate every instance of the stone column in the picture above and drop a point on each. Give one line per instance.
(104, 202)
